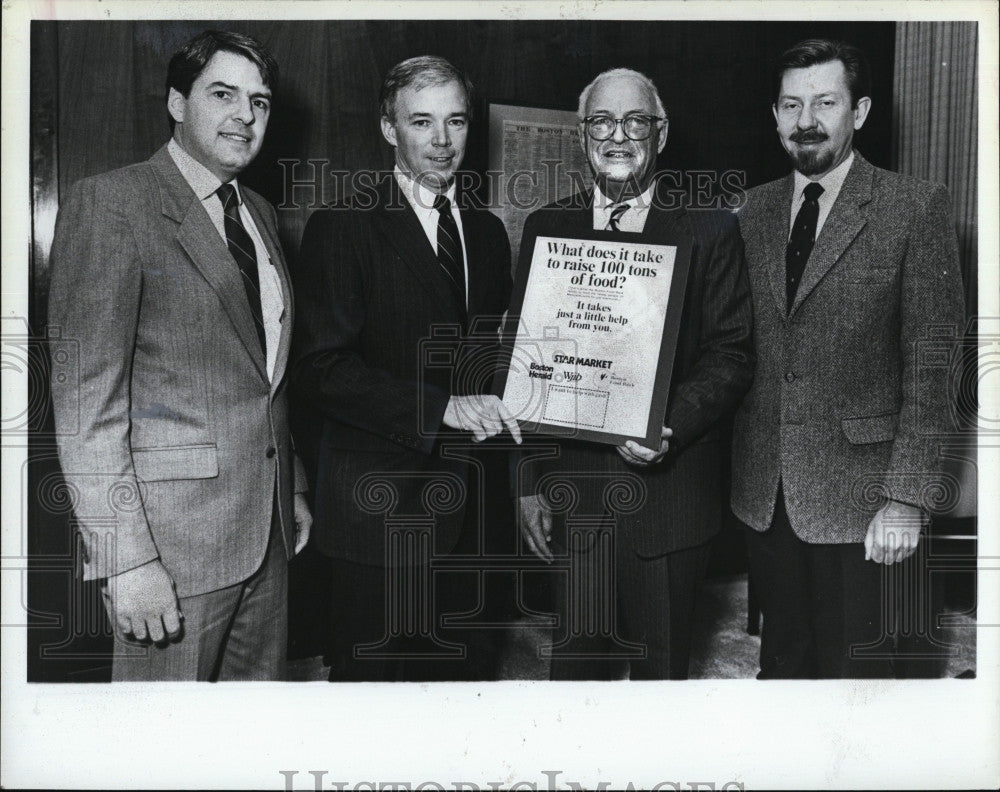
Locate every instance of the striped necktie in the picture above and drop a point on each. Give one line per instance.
(449, 245)
(616, 214)
(242, 249)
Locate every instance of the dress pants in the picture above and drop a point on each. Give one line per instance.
(236, 633)
(368, 640)
(654, 609)
(822, 605)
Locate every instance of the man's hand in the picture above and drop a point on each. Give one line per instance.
(303, 522)
(640, 456)
(535, 520)
(484, 416)
(893, 533)
(144, 603)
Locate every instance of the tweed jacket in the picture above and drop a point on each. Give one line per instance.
(182, 448)
(846, 409)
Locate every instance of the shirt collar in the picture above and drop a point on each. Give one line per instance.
(420, 198)
(641, 201)
(831, 182)
(201, 179)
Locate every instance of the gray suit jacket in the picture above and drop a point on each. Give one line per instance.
(847, 407)
(173, 394)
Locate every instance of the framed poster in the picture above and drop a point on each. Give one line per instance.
(591, 336)
(536, 152)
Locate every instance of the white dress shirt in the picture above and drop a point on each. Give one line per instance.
(205, 183)
(634, 218)
(422, 201)
(831, 184)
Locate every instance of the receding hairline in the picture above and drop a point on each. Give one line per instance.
(616, 74)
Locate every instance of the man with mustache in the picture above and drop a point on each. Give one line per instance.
(379, 275)
(660, 550)
(835, 446)
(170, 274)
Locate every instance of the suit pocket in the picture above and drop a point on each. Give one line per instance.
(870, 429)
(170, 463)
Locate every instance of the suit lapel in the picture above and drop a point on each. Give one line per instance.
(776, 227)
(661, 224)
(479, 260)
(580, 220)
(845, 221)
(399, 225)
(475, 258)
(269, 235)
(200, 239)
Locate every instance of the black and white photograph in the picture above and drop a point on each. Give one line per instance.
(450, 395)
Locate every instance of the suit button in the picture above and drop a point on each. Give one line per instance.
(271, 452)
(790, 376)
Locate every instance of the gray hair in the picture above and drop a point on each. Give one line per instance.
(612, 73)
(420, 72)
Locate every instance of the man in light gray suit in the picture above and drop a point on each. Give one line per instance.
(171, 277)
(834, 451)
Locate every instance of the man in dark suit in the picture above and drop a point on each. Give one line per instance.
(170, 275)
(834, 454)
(385, 279)
(660, 549)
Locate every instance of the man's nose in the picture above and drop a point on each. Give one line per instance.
(442, 137)
(618, 136)
(806, 119)
(244, 111)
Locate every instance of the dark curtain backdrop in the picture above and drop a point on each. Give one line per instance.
(97, 103)
(713, 76)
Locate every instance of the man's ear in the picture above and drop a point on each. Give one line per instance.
(389, 131)
(662, 141)
(176, 105)
(861, 111)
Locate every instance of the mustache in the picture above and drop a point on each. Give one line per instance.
(808, 136)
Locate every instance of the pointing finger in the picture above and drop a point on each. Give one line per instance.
(510, 422)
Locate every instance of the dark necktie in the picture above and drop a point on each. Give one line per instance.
(449, 245)
(800, 244)
(242, 248)
(616, 214)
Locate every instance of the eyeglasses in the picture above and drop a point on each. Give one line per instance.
(636, 126)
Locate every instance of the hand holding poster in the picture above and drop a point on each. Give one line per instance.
(596, 324)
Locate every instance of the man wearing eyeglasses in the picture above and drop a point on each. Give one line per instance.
(661, 550)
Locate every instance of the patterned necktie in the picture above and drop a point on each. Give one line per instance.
(242, 248)
(800, 244)
(616, 214)
(449, 245)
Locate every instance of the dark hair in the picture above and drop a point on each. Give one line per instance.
(191, 59)
(813, 52)
(420, 72)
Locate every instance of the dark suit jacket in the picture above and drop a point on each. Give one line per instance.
(845, 408)
(379, 351)
(712, 370)
(172, 388)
